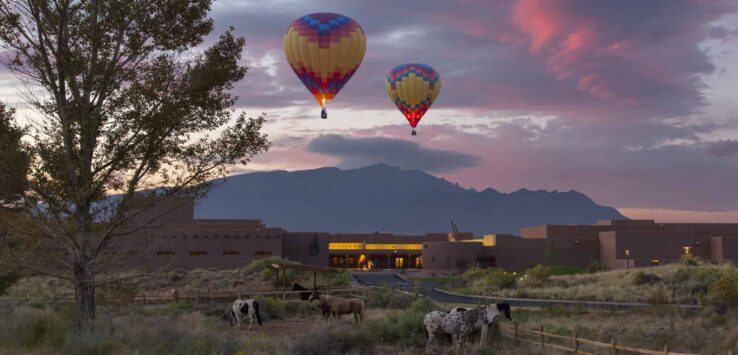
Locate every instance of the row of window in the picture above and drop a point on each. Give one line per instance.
(258, 254)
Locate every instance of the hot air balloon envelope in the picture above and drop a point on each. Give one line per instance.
(324, 50)
(413, 87)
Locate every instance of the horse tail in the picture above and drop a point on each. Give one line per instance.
(256, 310)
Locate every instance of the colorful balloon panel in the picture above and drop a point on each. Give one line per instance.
(413, 88)
(324, 50)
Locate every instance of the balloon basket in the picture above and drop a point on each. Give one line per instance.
(414, 133)
(324, 114)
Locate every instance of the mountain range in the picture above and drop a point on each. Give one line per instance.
(382, 198)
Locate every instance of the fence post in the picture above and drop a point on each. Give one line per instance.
(576, 346)
(540, 332)
(614, 347)
(666, 349)
(516, 332)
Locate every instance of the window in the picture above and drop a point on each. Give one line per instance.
(263, 254)
(399, 262)
(164, 253)
(199, 253)
(231, 253)
(655, 262)
(419, 262)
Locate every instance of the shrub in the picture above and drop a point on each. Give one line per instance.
(642, 278)
(657, 298)
(272, 307)
(690, 260)
(537, 275)
(404, 328)
(334, 339)
(7, 280)
(341, 278)
(559, 270)
(473, 274)
(32, 328)
(596, 266)
(385, 298)
(497, 279)
(724, 292)
(118, 294)
(694, 282)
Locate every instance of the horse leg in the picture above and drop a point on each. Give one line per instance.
(251, 322)
(483, 336)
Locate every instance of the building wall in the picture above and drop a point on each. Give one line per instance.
(442, 257)
(647, 246)
(295, 246)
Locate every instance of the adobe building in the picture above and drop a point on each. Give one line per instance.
(180, 241)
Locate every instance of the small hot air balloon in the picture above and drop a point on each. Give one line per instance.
(413, 87)
(324, 50)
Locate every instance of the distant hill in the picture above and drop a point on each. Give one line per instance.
(387, 199)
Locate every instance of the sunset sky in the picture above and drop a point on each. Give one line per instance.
(632, 102)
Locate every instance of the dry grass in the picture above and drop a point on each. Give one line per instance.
(617, 285)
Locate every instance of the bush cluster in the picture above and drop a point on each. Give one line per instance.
(385, 298)
(642, 278)
(724, 292)
(488, 280)
(596, 266)
(537, 276)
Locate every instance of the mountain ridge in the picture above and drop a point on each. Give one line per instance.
(383, 198)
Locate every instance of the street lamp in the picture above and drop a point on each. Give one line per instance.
(627, 259)
(686, 249)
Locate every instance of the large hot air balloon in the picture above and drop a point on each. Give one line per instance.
(413, 87)
(324, 50)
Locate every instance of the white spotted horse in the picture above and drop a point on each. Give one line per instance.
(245, 308)
(461, 322)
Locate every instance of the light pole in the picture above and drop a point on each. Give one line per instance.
(687, 250)
(627, 259)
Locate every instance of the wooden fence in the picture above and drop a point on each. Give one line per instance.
(219, 296)
(576, 345)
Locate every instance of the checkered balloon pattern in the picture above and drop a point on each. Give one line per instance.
(324, 50)
(413, 87)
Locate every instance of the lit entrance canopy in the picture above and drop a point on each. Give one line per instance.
(372, 246)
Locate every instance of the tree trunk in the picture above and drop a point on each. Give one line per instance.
(84, 297)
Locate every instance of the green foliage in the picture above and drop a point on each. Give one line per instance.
(386, 298)
(120, 293)
(272, 307)
(539, 272)
(314, 247)
(724, 292)
(405, 328)
(14, 159)
(558, 270)
(642, 278)
(549, 253)
(264, 268)
(7, 280)
(695, 281)
(596, 266)
(488, 280)
(690, 260)
(32, 328)
(473, 274)
(341, 278)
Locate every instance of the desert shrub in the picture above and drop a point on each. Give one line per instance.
(495, 279)
(724, 292)
(690, 260)
(596, 266)
(272, 307)
(537, 276)
(694, 282)
(558, 270)
(259, 265)
(473, 274)
(341, 278)
(300, 308)
(386, 298)
(657, 298)
(32, 328)
(642, 278)
(176, 275)
(7, 280)
(405, 328)
(334, 339)
(118, 294)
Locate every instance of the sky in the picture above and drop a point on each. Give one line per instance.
(632, 102)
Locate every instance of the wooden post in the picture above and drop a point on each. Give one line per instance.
(614, 347)
(666, 349)
(315, 275)
(540, 332)
(516, 332)
(576, 346)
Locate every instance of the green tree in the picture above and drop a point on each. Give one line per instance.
(314, 247)
(14, 160)
(126, 96)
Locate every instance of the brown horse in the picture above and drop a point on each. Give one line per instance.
(339, 306)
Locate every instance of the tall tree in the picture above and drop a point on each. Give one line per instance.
(128, 99)
(14, 159)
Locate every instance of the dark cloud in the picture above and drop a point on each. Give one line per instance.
(358, 152)
(722, 148)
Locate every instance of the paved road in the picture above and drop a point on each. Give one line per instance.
(392, 279)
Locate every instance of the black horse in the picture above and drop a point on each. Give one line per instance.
(303, 295)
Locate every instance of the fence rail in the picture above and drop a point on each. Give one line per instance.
(202, 296)
(540, 336)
